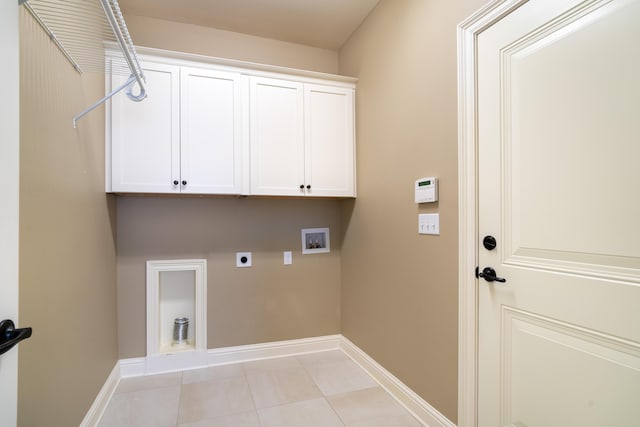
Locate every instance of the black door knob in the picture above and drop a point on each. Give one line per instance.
(184, 182)
(489, 243)
(176, 182)
(302, 186)
(308, 187)
(489, 274)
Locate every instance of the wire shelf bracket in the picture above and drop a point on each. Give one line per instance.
(116, 20)
(79, 39)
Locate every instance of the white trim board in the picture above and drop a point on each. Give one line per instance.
(93, 416)
(174, 306)
(232, 65)
(227, 355)
(417, 406)
(468, 32)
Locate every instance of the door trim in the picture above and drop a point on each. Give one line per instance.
(10, 209)
(467, 33)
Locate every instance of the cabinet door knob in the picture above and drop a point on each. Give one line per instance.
(184, 182)
(176, 182)
(308, 187)
(302, 186)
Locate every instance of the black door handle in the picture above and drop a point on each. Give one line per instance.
(489, 274)
(10, 336)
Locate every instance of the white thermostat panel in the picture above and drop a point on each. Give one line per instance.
(426, 190)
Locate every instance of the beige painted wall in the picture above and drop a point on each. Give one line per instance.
(267, 302)
(399, 289)
(67, 239)
(161, 34)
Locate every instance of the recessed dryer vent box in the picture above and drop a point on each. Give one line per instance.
(315, 240)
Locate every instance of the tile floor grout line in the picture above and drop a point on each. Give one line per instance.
(253, 399)
(343, 422)
(179, 398)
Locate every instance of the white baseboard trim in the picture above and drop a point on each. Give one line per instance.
(163, 363)
(93, 416)
(422, 410)
(223, 356)
(172, 362)
(246, 353)
(133, 367)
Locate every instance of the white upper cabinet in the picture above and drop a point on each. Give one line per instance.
(220, 128)
(185, 137)
(277, 136)
(210, 132)
(329, 141)
(302, 139)
(145, 136)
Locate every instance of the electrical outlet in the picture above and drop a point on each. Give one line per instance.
(243, 259)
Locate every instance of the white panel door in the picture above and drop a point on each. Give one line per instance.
(211, 140)
(10, 176)
(559, 145)
(277, 137)
(145, 144)
(329, 141)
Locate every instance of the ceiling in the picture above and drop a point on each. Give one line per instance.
(321, 23)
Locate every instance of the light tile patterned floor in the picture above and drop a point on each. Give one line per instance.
(320, 389)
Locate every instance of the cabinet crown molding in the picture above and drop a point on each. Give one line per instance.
(232, 65)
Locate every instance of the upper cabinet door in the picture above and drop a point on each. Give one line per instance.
(145, 135)
(277, 137)
(330, 141)
(211, 131)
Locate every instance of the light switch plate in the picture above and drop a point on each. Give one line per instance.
(287, 258)
(429, 224)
